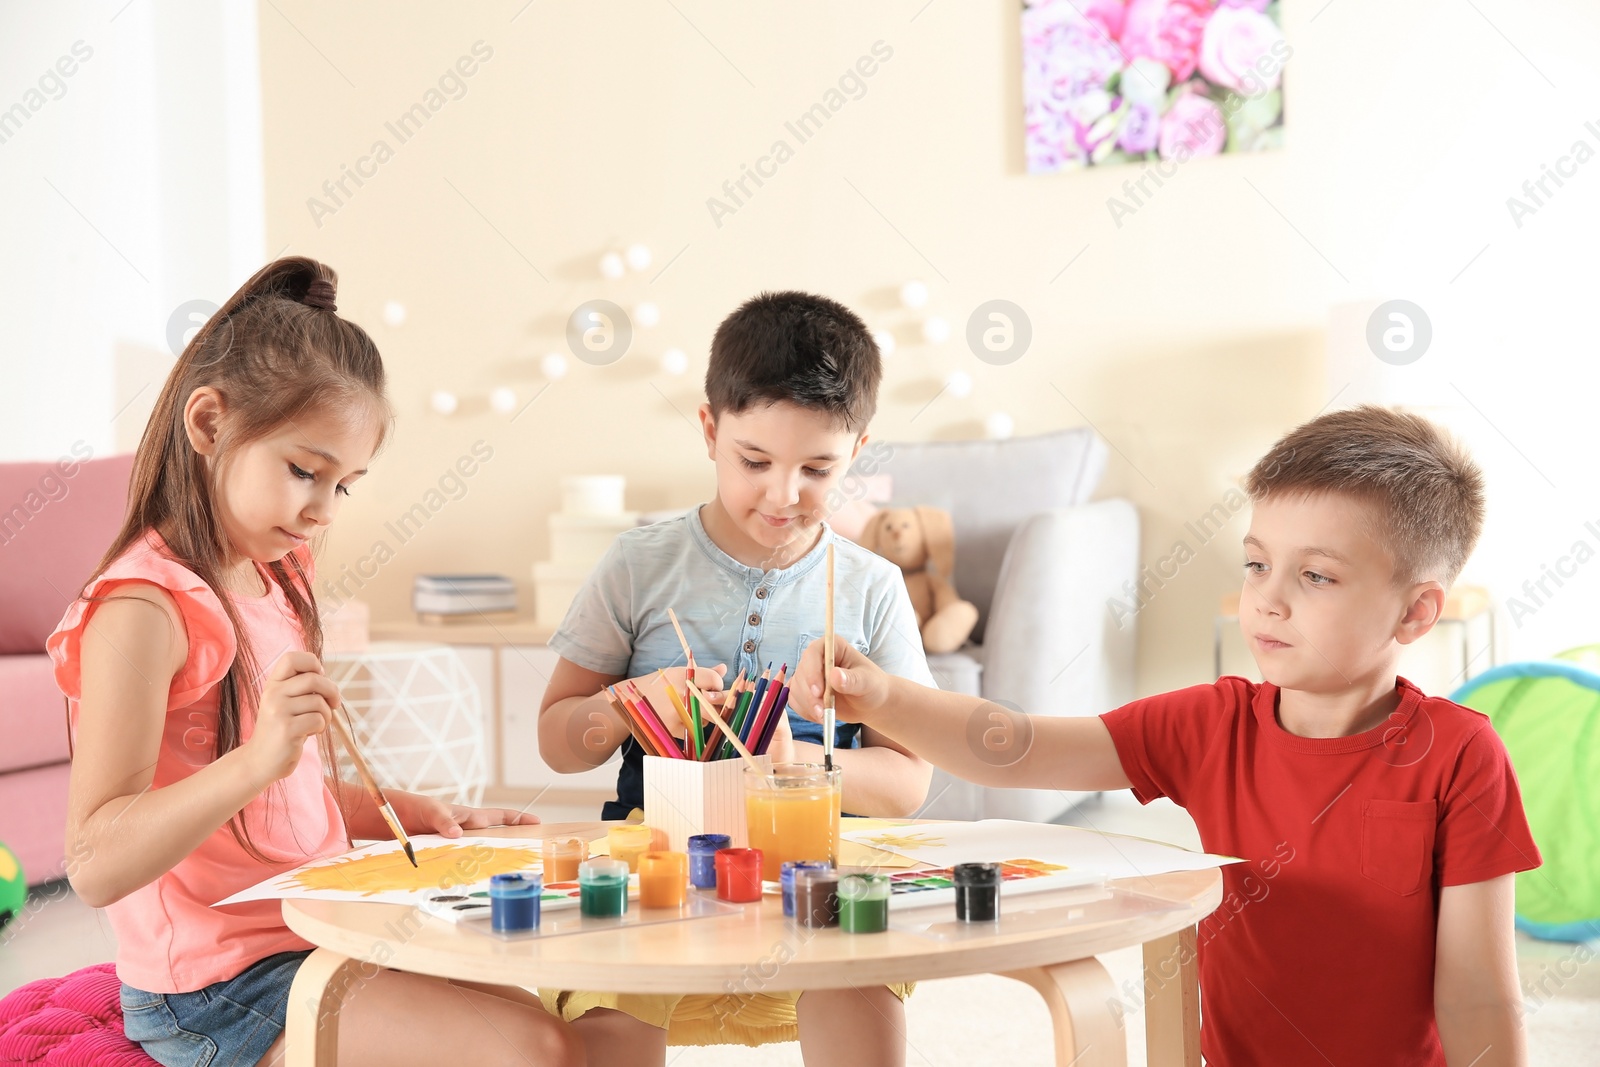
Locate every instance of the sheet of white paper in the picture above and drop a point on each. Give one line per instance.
(381, 873)
(996, 840)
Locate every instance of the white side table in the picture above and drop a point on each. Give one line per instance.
(418, 717)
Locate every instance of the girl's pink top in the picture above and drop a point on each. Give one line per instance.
(169, 937)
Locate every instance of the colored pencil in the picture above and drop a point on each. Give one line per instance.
(748, 720)
(727, 731)
(764, 712)
(780, 708)
(630, 716)
(828, 711)
(655, 723)
(683, 712)
(627, 720)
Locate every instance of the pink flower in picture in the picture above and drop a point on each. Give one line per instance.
(1167, 30)
(1193, 126)
(1107, 81)
(1141, 128)
(1242, 50)
(1064, 55)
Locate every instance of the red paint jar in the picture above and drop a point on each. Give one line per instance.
(739, 875)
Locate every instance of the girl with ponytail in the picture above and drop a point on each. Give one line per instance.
(199, 709)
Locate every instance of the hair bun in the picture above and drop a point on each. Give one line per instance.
(319, 294)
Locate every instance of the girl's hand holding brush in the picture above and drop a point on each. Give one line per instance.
(297, 700)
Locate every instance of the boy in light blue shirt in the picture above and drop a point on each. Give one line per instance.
(792, 383)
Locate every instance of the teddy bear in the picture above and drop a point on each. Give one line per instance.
(921, 542)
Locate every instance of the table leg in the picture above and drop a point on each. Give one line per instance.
(1172, 1000)
(318, 990)
(1080, 995)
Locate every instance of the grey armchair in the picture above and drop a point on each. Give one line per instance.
(1041, 563)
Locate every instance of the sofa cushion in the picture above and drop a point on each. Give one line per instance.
(33, 821)
(56, 521)
(33, 713)
(989, 488)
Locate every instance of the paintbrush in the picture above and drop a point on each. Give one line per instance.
(373, 788)
(828, 712)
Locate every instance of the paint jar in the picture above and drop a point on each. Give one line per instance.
(603, 887)
(739, 875)
(628, 843)
(793, 814)
(514, 902)
(977, 892)
(864, 903)
(816, 898)
(663, 879)
(561, 856)
(786, 878)
(703, 849)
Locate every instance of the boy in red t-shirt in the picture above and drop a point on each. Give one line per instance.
(1372, 920)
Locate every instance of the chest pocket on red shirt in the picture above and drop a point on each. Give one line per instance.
(1397, 843)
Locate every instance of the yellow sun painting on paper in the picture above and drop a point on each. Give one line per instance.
(438, 867)
(911, 840)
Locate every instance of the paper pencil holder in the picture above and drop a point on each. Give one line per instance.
(683, 798)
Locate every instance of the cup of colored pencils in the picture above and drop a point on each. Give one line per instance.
(750, 712)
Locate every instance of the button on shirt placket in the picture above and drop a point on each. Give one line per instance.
(751, 634)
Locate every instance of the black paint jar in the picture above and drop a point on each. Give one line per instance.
(977, 892)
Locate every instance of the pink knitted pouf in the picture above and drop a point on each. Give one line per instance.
(74, 1021)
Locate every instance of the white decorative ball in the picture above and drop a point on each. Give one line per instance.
(936, 329)
(646, 314)
(998, 426)
(611, 266)
(443, 402)
(674, 361)
(885, 341)
(639, 256)
(959, 384)
(394, 313)
(553, 366)
(503, 399)
(913, 294)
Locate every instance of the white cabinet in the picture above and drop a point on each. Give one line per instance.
(524, 673)
(511, 665)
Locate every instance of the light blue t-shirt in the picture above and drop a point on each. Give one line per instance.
(742, 616)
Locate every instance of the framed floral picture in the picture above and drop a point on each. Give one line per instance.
(1109, 81)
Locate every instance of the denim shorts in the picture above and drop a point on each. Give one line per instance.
(229, 1024)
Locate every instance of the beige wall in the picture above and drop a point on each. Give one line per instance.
(1190, 337)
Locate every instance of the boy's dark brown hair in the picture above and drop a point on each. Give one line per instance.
(795, 347)
(1424, 490)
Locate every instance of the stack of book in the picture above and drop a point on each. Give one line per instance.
(446, 597)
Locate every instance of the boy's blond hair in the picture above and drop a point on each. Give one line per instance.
(1424, 491)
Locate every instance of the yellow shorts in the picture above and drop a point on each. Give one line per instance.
(699, 1018)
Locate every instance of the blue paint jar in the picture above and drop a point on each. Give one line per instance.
(514, 902)
(703, 849)
(786, 878)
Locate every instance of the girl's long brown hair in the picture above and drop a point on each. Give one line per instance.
(276, 352)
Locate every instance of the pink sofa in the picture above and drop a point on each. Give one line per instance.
(56, 519)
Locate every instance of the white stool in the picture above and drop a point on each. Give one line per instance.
(418, 718)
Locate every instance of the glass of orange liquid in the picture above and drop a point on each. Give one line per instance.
(793, 814)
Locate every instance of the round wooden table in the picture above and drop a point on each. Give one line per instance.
(761, 949)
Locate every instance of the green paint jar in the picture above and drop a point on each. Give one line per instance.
(603, 888)
(864, 903)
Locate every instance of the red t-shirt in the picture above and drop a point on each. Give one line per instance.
(1322, 950)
